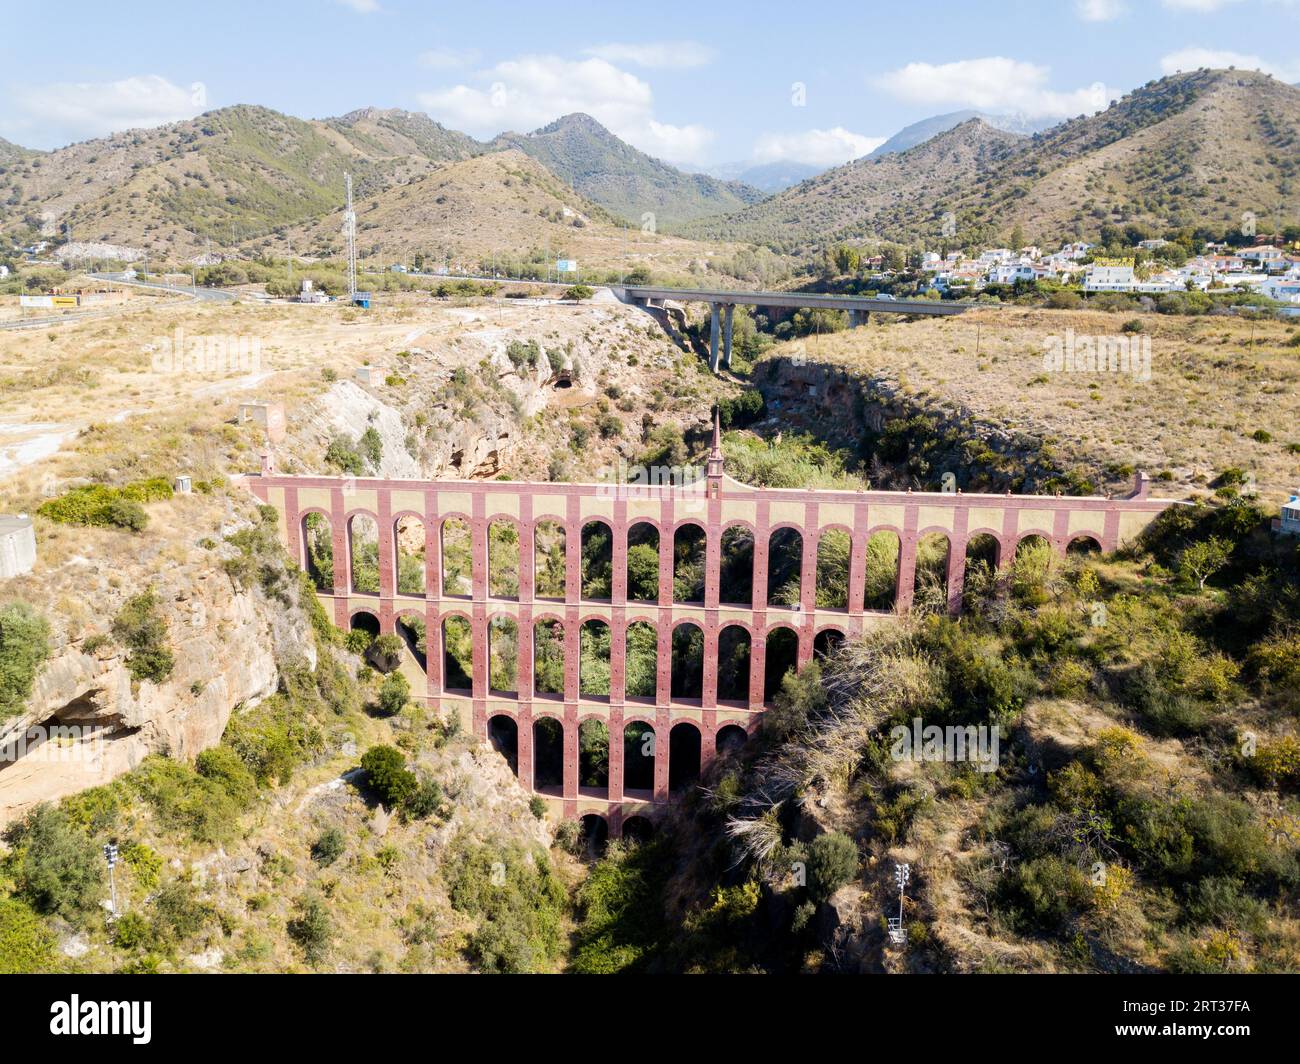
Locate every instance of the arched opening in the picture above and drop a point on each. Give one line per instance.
(637, 829)
(731, 739)
(593, 839)
(548, 560)
(548, 755)
(408, 541)
(827, 643)
(593, 754)
(363, 545)
(785, 568)
(548, 658)
(364, 621)
(1083, 546)
(641, 661)
(734, 647)
(412, 629)
(688, 661)
(457, 558)
(638, 757)
(689, 544)
(881, 572)
(503, 734)
(736, 575)
(1031, 570)
(593, 659)
(782, 656)
(683, 756)
(597, 561)
(643, 563)
(833, 570)
(503, 560)
(980, 583)
(930, 585)
(503, 655)
(457, 654)
(318, 551)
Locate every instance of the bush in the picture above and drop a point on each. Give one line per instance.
(1045, 892)
(24, 646)
(800, 697)
(139, 627)
(312, 928)
(424, 802)
(832, 862)
(100, 505)
(26, 946)
(328, 847)
(393, 694)
(224, 767)
(184, 800)
(388, 776)
(55, 866)
(577, 293)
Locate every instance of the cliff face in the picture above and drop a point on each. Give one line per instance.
(88, 722)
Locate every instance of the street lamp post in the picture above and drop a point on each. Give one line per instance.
(110, 855)
(902, 873)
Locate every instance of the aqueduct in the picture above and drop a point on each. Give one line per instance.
(685, 603)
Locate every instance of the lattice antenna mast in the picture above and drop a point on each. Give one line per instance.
(350, 231)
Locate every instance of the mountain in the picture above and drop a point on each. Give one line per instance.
(394, 133)
(11, 153)
(865, 197)
(500, 206)
(1196, 149)
(920, 132)
(616, 175)
(228, 176)
(767, 177)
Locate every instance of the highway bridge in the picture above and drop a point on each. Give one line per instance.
(723, 305)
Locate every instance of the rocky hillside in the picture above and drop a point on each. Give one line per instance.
(870, 197)
(1196, 149)
(628, 182)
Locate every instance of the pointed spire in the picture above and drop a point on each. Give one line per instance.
(715, 451)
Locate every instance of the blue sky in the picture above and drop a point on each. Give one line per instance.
(697, 83)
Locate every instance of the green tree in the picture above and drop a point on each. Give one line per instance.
(24, 646)
(1201, 560)
(387, 774)
(832, 862)
(393, 693)
(54, 865)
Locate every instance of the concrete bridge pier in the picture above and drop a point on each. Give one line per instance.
(728, 311)
(858, 317)
(713, 337)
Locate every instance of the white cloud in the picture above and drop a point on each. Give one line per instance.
(821, 147)
(1202, 6)
(993, 83)
(448, 58)
(1100, 10)
(1194, 58)
(531, 91)
(71, 111)
(361, 7)
(656, 55)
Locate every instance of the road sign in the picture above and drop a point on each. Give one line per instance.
(566, 266)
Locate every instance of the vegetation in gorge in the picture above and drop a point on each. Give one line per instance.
(1143, 816)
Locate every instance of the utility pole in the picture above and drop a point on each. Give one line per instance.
(350, 231)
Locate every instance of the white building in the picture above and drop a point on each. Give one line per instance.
(1290, 522)
(1109, 279)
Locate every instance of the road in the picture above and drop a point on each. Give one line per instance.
(203, 295)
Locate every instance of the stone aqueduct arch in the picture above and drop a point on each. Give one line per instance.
(716, 503)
